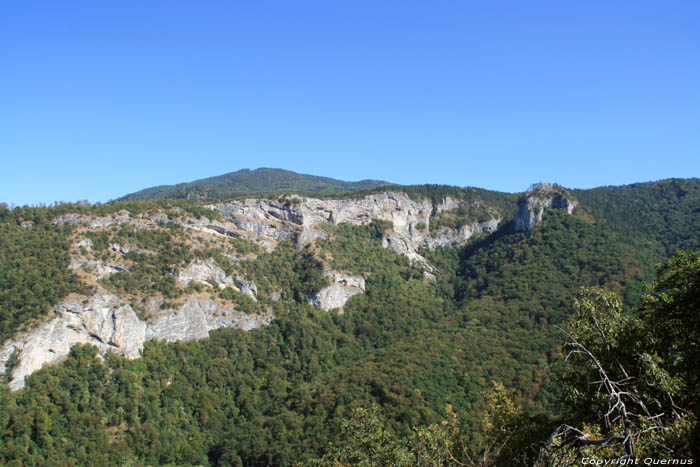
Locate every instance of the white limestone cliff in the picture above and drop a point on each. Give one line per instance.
(342, 288)
(111, 325)
(208, 273)
(301, 220)
(532, 206)
(108, 322)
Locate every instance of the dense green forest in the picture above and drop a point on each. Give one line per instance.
(34, 255)
(256, 182)
(463, 368)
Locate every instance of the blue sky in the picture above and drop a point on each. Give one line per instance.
(100, 99)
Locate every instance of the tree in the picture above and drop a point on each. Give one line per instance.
(366, 443)
(630, 377)
(671, 316)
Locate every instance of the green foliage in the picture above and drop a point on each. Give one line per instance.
(670, 313)
(648, 355)
(172, 208)
(405, 375)
(242, 302)
(508, 436)
(457, 218)
(275, 395)
(660, 217)
(34, 272)
(293, 274)
(366, 443)
(357, 248)
(473, 197)
(154, 255)
(541, 269)
(257, 182)
(243, 247)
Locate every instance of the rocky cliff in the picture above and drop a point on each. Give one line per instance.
(540, 197)
(342, 288)
(111, 325)
(301, 219)
(109, 321)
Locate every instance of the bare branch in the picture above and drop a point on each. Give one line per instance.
(619, 393)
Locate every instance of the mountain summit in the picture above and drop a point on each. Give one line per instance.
(248, 182)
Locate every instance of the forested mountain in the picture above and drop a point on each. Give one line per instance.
(420, 326)
(248, 182)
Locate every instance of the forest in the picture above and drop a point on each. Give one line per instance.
(474, 367)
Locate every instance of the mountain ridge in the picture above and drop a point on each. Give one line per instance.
(288, 311)
(247, 182)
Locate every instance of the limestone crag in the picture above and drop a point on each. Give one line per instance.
(335, 296)
(196, 317)
(208, 273)
(109, 323)
(99, 268)
(213, 227)
(101, 320)
(300, 219)
(268, 221)
(122, 217)
(448, 204)
(460, 236)
(248, 288)
(204, 272)
(106, 322)
(532, 206)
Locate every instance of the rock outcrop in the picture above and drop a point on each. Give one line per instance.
(208, 273)
(531, 207)
(460, 236)
(99, 268)
(111, 324)
(106, 322)
(196, 317)
(121, 217)
(204, 272)
(300, 219)
(339, 292)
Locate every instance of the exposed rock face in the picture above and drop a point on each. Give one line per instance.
(208, 273)
(300, 220)
(204, 272)
(212, 227)
(198, 316)
(97, 267)
(104, 321)
(448, 204)
(84, 243)
(122, 217)
(110, 324)
(248, 288)
(531, 207)
(268, 221)
(339, 292)
(122, 250)
(452, 237)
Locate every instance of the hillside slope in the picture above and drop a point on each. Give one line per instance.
(413, 300)
(248, 182)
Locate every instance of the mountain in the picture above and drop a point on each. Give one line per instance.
(248, 182)
(286, 329)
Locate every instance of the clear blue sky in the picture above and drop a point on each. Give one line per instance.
(102, 98)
